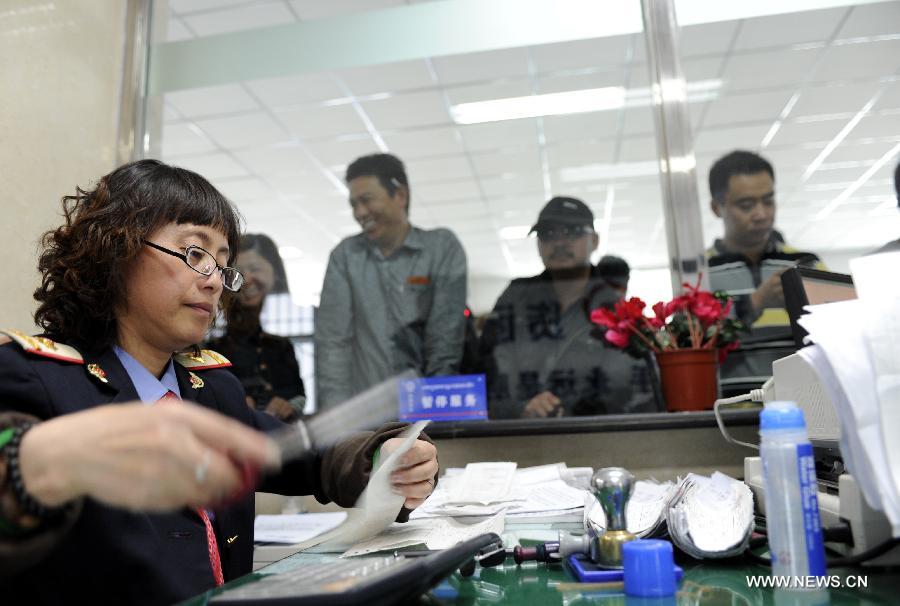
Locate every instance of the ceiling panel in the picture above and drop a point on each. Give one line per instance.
(824, 100)
(318, 121)
(768, 69)
(519, 87)
(872, 20)
(707, 39)
(184, 138)
(275, 160)
(719, 140)
(515, 162)
(242, 17)
(581, 54)
(294, 90)
(748, 107)
(474, 67)
(308, 10)
(784, 30)
(424, 142)
(334, 153)
(792, 133)
(596, 125)
(213, 100)
(497, 135)
(448, 191)
(857, 61)
(438, 169)
(243, 131)
(213, 166)
(408, 110)
(390, 77)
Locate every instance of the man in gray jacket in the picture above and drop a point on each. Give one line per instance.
(394, 295)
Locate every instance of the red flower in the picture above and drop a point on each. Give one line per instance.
(632, 309)
(706, 308)
(604, 317)
(619, 339)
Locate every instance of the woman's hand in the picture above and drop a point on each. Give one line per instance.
(416, 470)
(141, 457)
(281, 409)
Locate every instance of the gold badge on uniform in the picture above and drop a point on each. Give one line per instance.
(196, 382)
(98, 372)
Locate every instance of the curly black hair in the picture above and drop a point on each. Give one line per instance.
(83, 261)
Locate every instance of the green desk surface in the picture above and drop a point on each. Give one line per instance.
(710, 582)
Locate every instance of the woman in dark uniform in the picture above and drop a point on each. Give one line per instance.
(134, 274)
(265, 364)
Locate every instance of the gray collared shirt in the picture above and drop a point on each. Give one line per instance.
(379, 316)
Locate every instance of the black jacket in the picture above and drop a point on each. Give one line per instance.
(111, 555)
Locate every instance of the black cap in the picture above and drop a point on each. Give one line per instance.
(564, 211)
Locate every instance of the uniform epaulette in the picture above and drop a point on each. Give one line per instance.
(204, 360)
(42, 346)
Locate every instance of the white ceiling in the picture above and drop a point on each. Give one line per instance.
(817, 92)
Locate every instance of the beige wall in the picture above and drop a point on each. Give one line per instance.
(60, 80)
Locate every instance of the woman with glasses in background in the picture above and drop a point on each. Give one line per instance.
(265, 363)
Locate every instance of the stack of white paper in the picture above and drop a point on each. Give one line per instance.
(486, 489)
(860, 369)
(710, 517)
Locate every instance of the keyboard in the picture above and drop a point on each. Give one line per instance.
(318, 579)
(378, 580)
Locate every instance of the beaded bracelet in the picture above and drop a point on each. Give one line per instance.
(28, 503)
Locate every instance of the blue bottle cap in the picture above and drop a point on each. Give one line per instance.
(781, 415)
(648, 568)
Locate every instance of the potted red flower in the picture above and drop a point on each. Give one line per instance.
(689, 335)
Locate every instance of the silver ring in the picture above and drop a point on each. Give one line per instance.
(201, 468)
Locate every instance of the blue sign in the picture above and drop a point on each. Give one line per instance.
(454, 398)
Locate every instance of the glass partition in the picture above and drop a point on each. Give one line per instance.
(272, 100)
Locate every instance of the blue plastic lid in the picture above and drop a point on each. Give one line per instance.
(781, 414)
(648, 568)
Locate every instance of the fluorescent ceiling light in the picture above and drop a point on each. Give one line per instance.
(532, 106)
(577, 102)
(599, 172)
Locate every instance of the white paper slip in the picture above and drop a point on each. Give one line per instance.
(438, 533)
(485, 483)
(294, 528)
(377, 507)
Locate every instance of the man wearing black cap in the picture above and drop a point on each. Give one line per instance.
(543, 360)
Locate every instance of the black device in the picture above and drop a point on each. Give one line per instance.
(375, 581)
(806, 286)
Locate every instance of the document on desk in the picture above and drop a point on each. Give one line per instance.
(843, 362)
(534, 491)
(879, 296)
(438, 533)
(710, 517)
(294, 528)
(377, 507)
(484, 483)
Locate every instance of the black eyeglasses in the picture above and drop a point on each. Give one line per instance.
(202, 262)
(562, 232)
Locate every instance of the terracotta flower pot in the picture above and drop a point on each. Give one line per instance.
(689, 378)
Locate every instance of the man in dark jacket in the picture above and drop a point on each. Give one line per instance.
(544, 360)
